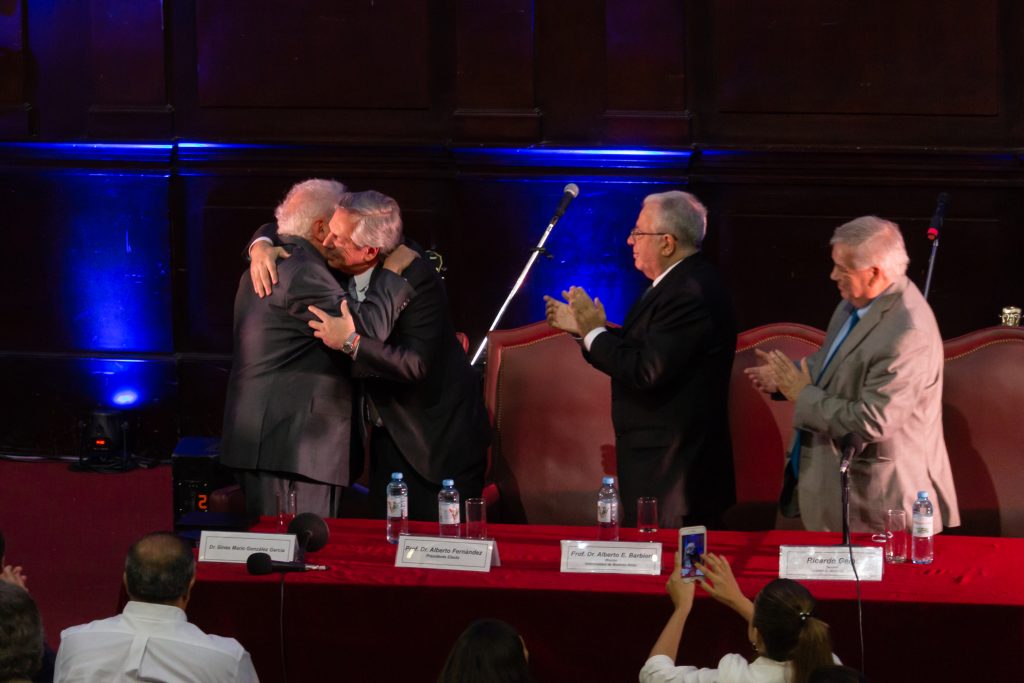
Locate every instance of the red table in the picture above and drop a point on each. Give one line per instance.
(962, 618)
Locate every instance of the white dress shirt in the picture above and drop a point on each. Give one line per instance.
(149, 642)
(731, 669)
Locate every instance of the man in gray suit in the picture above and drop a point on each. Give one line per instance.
(288, 414)
(878, 376)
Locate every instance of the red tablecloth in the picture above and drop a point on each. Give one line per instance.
(963, 615)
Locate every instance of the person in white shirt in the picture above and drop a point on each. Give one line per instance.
(151, 640)
(789, 640)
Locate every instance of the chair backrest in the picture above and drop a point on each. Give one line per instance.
(982, 401)
(553, 438)
(761, 428)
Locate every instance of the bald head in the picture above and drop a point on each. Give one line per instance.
(159, 569)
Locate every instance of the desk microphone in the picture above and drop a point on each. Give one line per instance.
(260, 563)
(852, 445)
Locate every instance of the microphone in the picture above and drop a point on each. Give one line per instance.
(570, 192)
(939, 217)
(260, 563)
(310, 531)
(851, 445)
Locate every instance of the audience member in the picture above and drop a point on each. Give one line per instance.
(151, 640)
(21, 635)
(9, 573)
(670, 365)
(789, 640)
(488, 651)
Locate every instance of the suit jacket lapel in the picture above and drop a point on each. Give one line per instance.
(861, 329)
(644, 302)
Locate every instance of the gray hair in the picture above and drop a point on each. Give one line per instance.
(307, 202)
(874, 241)
(21, 633)
(159, 568)
(378, 219)
(681, 215)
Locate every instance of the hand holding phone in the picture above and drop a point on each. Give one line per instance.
(692, 546)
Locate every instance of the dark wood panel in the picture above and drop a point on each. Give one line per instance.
(645, 47)
(370, 54)
(871, 57)
(494, 72)
(12, 53)
(127, 52)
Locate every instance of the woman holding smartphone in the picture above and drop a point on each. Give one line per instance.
(789, 640)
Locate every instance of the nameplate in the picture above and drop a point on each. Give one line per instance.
(436, 552)
(829, 563)
(611, 557)
(237, 546)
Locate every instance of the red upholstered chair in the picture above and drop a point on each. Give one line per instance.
(762, 428)
(982, 409)
(553, 437)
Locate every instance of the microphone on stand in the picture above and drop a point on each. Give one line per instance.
(939, 217)
(260, 563)
(311, 532)
(569, 193)
(852, 445)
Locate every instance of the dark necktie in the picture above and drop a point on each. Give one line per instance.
(794, 453)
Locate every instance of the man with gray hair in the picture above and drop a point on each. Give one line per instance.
(878, 377)
(670, 364)
(422, 401)
(151, 640)
(288, 413)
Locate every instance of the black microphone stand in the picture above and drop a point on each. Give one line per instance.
(844, 479)
(933, 234)
(851, 445)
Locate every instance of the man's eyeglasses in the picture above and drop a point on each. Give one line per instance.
(636, 233)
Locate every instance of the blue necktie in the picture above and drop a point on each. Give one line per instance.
(794, 454)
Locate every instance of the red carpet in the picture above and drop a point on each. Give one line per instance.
(70, 532)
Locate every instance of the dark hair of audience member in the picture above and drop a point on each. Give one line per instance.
(784, 616)
(3, 545)
(488, 651)
(159, 568)
(21, 634)
(836, 673)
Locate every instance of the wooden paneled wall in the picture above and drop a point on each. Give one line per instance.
(785, 118)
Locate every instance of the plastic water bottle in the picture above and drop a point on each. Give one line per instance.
(922, 548)
(448, 509)
(608, 507)
(398, 508)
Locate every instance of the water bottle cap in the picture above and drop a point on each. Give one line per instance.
(922, 494)
(448, 483)
(396, 476)
(608, 481)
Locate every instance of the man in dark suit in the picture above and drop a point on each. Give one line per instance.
(287, 418)
(422, 401)
(670, 364)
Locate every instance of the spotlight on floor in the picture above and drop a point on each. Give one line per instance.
(105, 444)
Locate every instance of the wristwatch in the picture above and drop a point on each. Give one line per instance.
(351, 344)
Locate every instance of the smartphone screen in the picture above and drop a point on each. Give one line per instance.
(692, 544)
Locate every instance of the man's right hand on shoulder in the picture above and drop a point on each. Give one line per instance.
(263, 266)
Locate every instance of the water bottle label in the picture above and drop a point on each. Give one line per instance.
(398, 506)
(605, 512)
(448, 513)
(922, 526)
